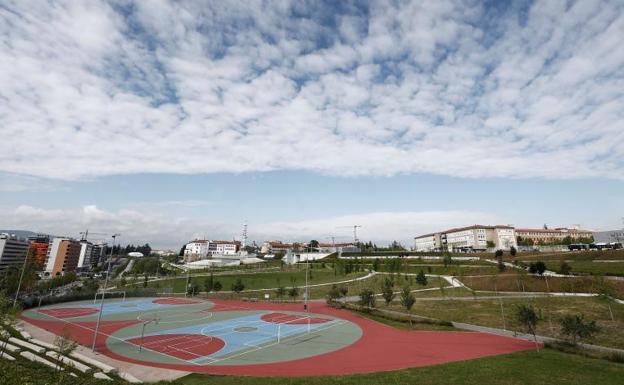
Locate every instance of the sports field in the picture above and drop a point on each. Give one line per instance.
(258, 338)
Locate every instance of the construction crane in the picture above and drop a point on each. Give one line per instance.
(355, 237)
(85, 234)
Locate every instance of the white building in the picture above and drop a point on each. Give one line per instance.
(476, 237)
(202, 249)
(86, 252)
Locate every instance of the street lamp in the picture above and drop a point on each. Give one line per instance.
(97, 325)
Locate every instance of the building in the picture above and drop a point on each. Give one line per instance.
(13, 251)
(98, 253)
(39, 248)
(203, 248)
(469, 238)
(86, 254)
(345, 247)
(551, 236)
(63, 256)
(274, 247)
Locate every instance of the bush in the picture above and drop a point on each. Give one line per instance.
(576, 328)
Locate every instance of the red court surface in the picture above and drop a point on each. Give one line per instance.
(174, 301)
(182, 346)
(381, 347)
(291, 319)
(69, 312)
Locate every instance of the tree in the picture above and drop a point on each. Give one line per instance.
(447, 259)
(538, 267)
(576, 328)
(293, 292)
(65, 346)
(209, 283)
(8, 315)
(387, 290)
(407, 301)
(490, 244)
(527, 317)
(513, 251)
(217, 286)
(376, 263)
(367, 299)
(565, 268)
(192, 288)
(498, 254)
(145, 279)
(333, 295)
(238, 286)
(280, 292)
(421, 278)
(344, 290)
(181, 254)
(314, 244)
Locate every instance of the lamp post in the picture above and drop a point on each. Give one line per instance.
(19, 284)
(97, 325)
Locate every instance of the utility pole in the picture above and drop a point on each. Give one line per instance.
(19, 285)
(97, 325)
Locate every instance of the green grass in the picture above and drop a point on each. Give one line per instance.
(524, 368)
(590, 267)
(487, 312)
(260, 280)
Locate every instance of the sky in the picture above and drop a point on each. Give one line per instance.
(165, 121)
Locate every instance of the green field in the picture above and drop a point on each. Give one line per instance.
(590, 267)
(264, 280)
(487, 312)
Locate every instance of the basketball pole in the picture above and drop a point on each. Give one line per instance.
(97, 325)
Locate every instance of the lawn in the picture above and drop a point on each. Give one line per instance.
(521, 282)
(286, 278)
(487, 312)
(524, 368)
(590, 267)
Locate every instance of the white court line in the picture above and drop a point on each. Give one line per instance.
(256, 348)
(117, 338)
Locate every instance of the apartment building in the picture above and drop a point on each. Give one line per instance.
(39, 245)
(475, 237)
(63, 256)
(13, 251)
(85, 256)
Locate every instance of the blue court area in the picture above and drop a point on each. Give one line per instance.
(246, 333)
(119, 307)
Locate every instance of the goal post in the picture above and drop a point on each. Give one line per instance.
(109, 294)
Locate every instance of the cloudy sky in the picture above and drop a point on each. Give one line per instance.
(170, 120)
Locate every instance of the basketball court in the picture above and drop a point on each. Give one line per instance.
(255, 338)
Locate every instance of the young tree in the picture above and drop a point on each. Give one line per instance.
(538, 267)
(576, 328)
(344, 290)
(367, 299)
(238, 286)
(513, 251)
(280, 292)
(447, 259)
(293, 292)
(527, 317)
(145, 279)
(387, 290)
(209, 283)
(421, 278)
(8, 315)
(65, 345)
(565, 268)
(407, 301)
(376, 263)
(333, 295)
(217, 286)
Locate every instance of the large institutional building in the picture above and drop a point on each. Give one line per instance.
(63, 256)
(475, 237)
(203, 248)
(481, 238)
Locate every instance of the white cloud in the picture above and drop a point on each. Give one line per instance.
(163, 231)
(101, 88)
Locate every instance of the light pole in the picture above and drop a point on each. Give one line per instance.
(19, 284)
(97, 325)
